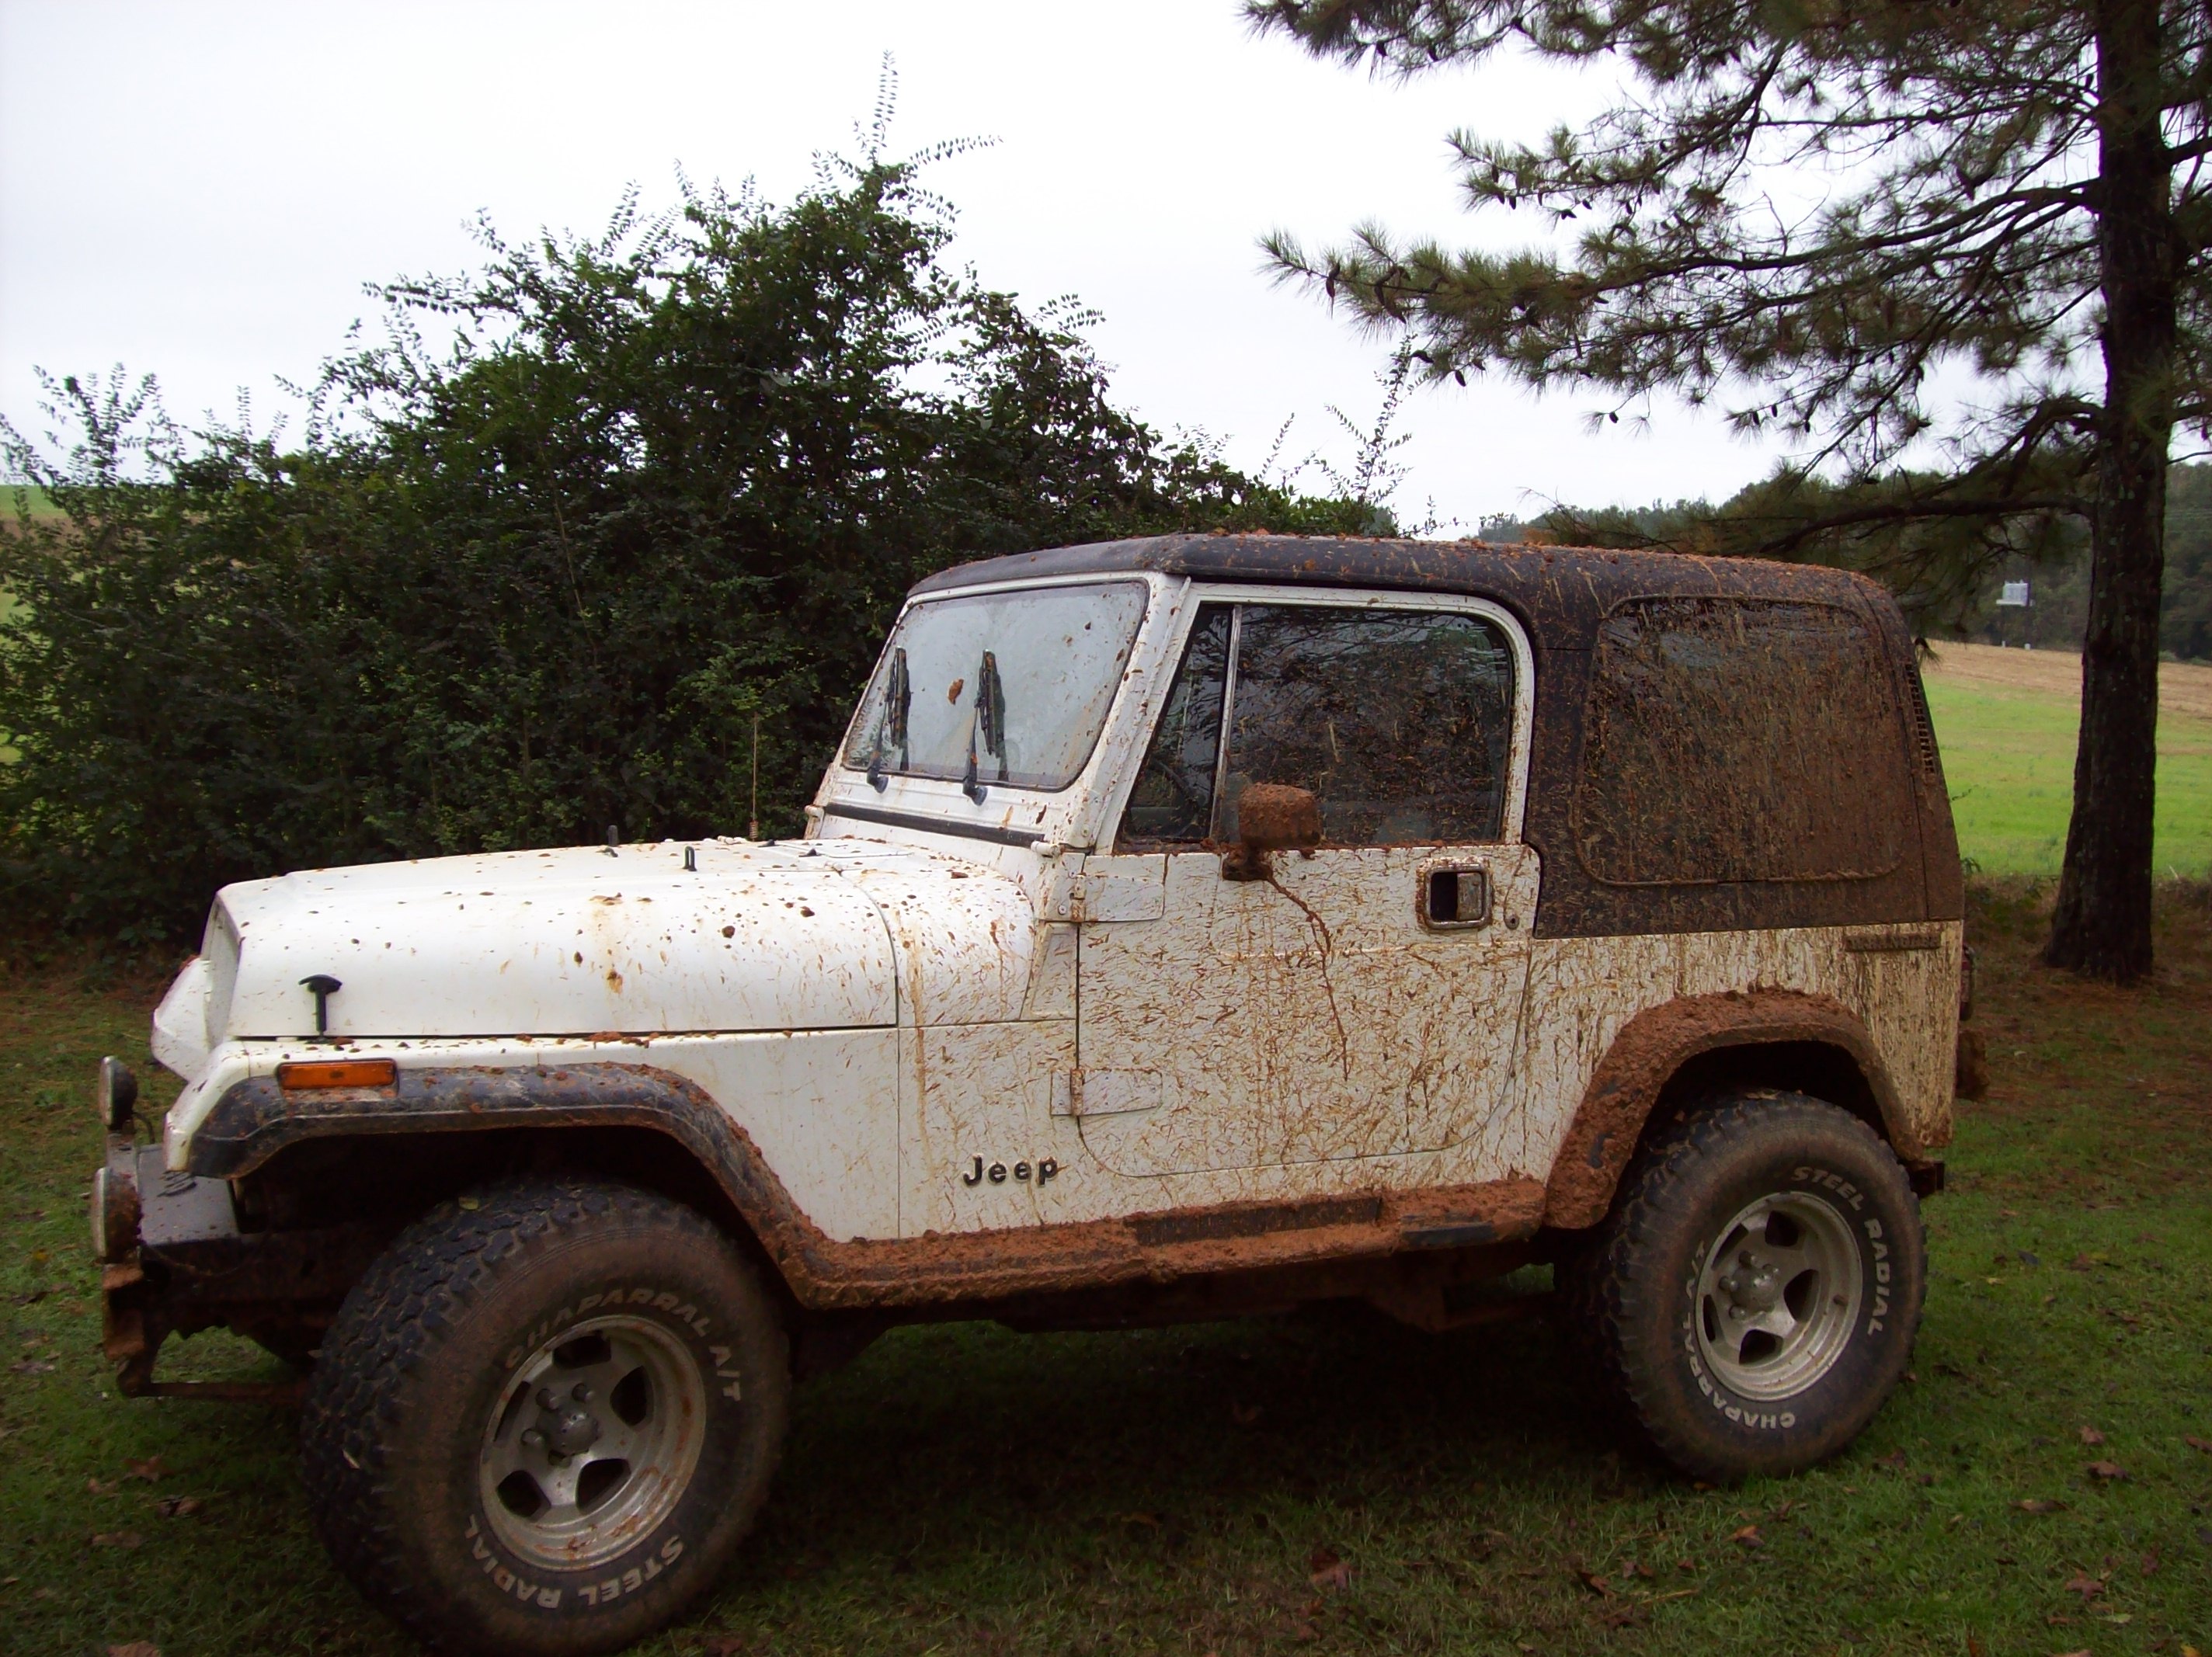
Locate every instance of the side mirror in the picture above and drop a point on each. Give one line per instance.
(1271, 816)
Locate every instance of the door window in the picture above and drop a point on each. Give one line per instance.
(1399, 722)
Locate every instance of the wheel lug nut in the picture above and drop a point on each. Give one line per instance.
(548, 1398)
(532, 1437)
(583, 1392)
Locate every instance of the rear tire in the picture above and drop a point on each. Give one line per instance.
(545, 1417)
(1753, 1298)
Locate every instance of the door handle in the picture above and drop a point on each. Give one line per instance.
(1454, 897)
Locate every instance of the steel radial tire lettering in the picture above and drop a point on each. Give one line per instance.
(1776, 1357)
(449, 1348)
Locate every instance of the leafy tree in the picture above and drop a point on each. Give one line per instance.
(1838, 214)
(662, 484)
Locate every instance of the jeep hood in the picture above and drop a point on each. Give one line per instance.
(574, 942)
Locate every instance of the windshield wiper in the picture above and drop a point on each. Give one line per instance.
(989, 723)
(892, 727)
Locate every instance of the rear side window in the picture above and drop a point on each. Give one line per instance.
(1739, 739)
(1399, 722)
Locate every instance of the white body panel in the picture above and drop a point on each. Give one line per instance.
(561, 942)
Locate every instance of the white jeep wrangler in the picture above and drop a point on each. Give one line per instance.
(1189, 927)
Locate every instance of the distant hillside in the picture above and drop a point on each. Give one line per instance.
(14, 498)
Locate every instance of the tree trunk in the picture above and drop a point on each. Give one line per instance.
(2102, 927)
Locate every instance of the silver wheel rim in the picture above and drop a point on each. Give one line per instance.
(592, 1441)
(1779, 1296)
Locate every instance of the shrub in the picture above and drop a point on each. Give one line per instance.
(661, 484)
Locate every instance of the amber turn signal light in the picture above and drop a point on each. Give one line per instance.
(307, 1073)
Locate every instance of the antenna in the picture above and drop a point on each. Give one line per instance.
(752, 828)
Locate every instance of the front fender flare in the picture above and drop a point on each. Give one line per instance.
(255, 1119)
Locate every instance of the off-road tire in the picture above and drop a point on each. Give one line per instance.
(1633, 1290)
(418, 1368)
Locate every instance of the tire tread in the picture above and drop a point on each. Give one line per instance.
(1611, 1289)
(390, 1326)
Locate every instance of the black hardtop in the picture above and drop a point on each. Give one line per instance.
(1560, 593)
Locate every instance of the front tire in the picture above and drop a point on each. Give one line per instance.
(1753, 1298)
(545, 1417)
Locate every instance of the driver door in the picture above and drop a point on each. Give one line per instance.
(1361, 1000)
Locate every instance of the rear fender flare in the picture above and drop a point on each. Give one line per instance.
(1652, 1046)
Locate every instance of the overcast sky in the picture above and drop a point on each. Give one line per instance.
(199, 191)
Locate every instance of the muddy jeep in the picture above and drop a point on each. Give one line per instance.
(1186, 928)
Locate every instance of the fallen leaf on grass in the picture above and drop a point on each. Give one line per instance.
(1243, 1414)
(150, 1469)
(1748, 1536)
(1621, 1614)
(2107, 1470)
(2090, 1435)
(178, 1507)
(1685, 1564)
(2150, 1562)
(135, 1649)
(1326, 1571)
(2196, 1443)
(1150, 1520)
(2085, 1585)
(2038, 1504)
(116, 1539)
(1595, 1583)
(32, 1367)
(722, 1645)
(1974, 1645)
(100, 1487)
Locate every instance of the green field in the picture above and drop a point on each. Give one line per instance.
(36, 501)
(2009, 757)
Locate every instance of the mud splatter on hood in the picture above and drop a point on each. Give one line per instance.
(569, 941)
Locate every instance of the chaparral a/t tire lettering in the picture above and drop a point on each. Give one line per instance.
(545, 1417)
(1753, 1297)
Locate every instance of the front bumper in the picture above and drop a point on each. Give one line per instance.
(173, 1260)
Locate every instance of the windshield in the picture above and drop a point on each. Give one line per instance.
(1000, 689)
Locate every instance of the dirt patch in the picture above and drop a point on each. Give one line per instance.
(2068, 1059)
(2184, 687)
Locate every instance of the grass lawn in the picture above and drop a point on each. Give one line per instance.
(1324, 1482)
(2009, 759)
